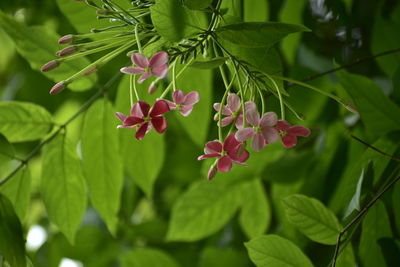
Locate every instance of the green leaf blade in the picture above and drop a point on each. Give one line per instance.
(147, 257)
(209, 64)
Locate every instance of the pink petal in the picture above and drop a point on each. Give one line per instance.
(136, 110)
(283, 125)
(213, 147)
(231, 143)
(131, 120)
(239, 122)
(258, 142)
(142, 131)
(186, 110)
(125, 127)
(244, 134)
(233, 102)
(140, 60)
(171, 105)
(132, 70)
(253, 117)
(249, 105)
(152, 88)
(289, 140)
(225, 110)
(159, 123)
(271, 135)
(191, 98)
(160, 71)
(144, 77)
(178, 96)
(207, 156)
(269, 119)
(224, 164)
(211, 172)
(144, 108)
(159, 108)
(120, 116)
(159, 59)
(226, 121)
(240, 156)
(299, 131)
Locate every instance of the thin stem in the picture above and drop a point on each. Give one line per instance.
(279, 96)
(241, 91)
(374, 148)
(174, 76)
(137, 39)
(177, 76)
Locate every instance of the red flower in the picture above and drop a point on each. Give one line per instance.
(229, 152)
(289, 133)
(143, 118)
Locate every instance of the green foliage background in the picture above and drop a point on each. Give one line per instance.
(106, 199)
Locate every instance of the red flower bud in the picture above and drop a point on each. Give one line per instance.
(58, 87)
(50, 65)
(66, 39)
(69, 50)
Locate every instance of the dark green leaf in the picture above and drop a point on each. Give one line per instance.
(346, 257)
(20, 121)
(312, 218)
(257, 34)
(217, 257)
(12, 244)
(209, 64)
(62, 187)
(6, 149)
(255, 11)
(102, 161)
(197, 4)
(273, 250)
(147, 257)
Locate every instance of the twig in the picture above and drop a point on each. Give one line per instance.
(374, 148)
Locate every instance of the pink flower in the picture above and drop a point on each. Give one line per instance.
(232, 111)
(289, 133)
(263, 131)
(230, 152)
(142, 118)
(156, 66)
(183, 103)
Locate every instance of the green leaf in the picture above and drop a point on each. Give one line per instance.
(173, 21)
(6, 149)
(312, 218)
(257, 34)
(18, 191)
(20, 121)
(217, 257)
(12, 244)
(62, 187)
(273, 250)
(255, 215)
(147, 257)
(209, 64)
(201, 211)
(143, 159)
(197, 4)
(378, 113)
(355, 200)
(375, 225)
(346, 257)
(38, 45)
(255, 11)
(102, 161)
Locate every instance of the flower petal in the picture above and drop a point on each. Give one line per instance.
(224, 164)
(225, 110)
(191, 98)
(299, 131)
(144, 108)
(159, 59)
(159, 108)
(207, 156)
(171, 105)
(239, 122)
(186, 110)
(120, 116)
(289, 140)
(140, 60)
(141, 132)
(231, 143)
(269, 119)
(178, 96)
(159, 123)
(244, 134)
(213, 147)
(160, 71)
(131, 120)
(283, 125)
(249, 105)
(258, 142)
(233, 102)
(226, 121)
(271, 135)
(132, 70)
(240, 156)
(253, 117)
(144, 77)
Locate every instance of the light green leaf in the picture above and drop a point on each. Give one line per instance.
(255, 215)
(355, 200)
(378, 113)
(218, 257)
(147, 257)
(173, 21)
(346, 257)
(375, 225)
(142, 159)
(12, 244)
(197, 4)
(273, 250)
(38, 45)
(257, 34)
(255, 11)
(20, 121)
(312, 218)
(62, 187)
(18, 191)
(201, 211)
(209, 64)
(102, 161)
(6, 149)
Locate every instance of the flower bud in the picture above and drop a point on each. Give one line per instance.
(152, 88)
(211, 172)
(58, 87)
(69, 50)
(90, 71)
(351, 107)
(66, 39)
(50, 65)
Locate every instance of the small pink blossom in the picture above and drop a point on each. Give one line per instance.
(183, 102)
(230, 152)
(143, 118)
(263, 131)
(289, 133)
(232, 111)
(156, 66)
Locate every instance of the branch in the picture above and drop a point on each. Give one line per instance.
(82, 109)
(374, 148)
